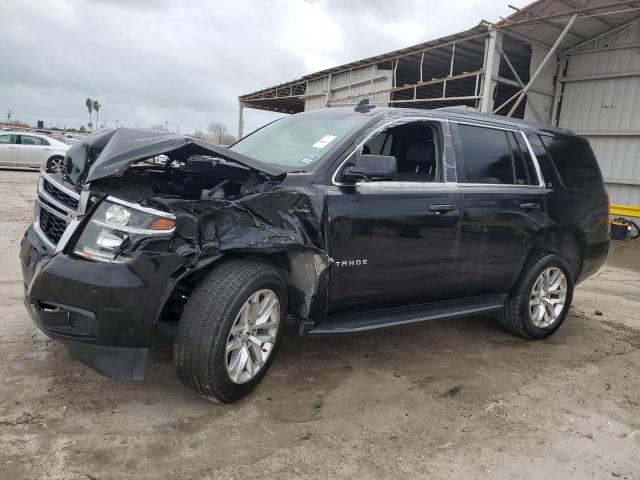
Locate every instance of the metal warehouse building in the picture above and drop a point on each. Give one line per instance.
(570, 63)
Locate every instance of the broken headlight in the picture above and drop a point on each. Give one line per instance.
(116, 224)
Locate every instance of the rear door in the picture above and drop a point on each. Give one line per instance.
(503, 204)
(395, 242)
(8, 149)
(32, 151)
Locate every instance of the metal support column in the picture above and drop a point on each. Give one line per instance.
(490, 67)
(240, 118)
(543, 64)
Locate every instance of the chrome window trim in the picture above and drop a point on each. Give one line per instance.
(494, 127)
(499, 185)
(534, 159)
(404, 185)
(392, 183)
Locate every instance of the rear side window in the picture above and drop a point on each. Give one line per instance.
(486, 155)
(574, 161)
(523, 152)
(29, 140)
(8, 139)
(549, 172)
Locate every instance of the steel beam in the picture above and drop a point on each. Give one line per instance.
(568, 14)
(490, 67)
(240, 118)
(542, 65)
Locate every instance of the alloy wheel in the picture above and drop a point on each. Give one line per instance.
(56, 165)
(252, 336)
(548, 297)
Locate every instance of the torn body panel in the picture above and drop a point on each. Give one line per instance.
(224, 202)
(213, 203)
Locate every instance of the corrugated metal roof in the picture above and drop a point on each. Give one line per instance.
(539, 22)
(467, 34)
(543, 20)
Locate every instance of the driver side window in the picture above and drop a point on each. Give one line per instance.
(416, 148)
(378, 145)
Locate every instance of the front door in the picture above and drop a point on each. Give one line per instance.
(8, 149)
(396, 242)
(32, 151)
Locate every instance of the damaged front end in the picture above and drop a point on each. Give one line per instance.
(119, 238)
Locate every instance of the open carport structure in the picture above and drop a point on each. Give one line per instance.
(569, 63)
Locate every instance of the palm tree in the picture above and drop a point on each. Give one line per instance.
(89, 105)
(96, 107)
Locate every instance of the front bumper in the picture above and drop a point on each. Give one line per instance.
(103, 312)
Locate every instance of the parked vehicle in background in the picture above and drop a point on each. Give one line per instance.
(31, 150)
(344, 220)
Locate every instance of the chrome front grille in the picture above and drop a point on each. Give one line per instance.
(56, 208)
(68, 200)
(52, 226)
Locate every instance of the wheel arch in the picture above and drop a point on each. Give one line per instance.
(304, 272)
(567, 241)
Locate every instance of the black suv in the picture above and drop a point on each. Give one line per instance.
(344, 220)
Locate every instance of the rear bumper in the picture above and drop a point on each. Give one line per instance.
(103, 312)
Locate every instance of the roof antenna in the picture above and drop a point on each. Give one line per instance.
(363, 106)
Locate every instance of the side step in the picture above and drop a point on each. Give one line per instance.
(349, 322)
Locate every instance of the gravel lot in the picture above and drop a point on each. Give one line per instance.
(454, 399)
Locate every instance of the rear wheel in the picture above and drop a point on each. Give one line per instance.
(541, 299)
(55, 165)
(230, 329)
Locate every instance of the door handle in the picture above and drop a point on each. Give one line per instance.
(530, 206)
(12, 147)
(439, 209)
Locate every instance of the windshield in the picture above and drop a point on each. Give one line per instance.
(299, 140)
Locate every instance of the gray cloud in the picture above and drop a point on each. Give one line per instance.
(186, 62)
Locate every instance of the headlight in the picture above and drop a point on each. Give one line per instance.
(116, 224)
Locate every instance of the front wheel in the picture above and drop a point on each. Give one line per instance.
(230, 329)
(541, 299)
(55, 165)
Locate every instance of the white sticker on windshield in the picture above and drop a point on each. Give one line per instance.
(324, 141)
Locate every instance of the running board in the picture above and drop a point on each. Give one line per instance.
(349, 322)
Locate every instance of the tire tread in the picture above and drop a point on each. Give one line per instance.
(203, 319)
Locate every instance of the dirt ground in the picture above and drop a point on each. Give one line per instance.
(452, 399)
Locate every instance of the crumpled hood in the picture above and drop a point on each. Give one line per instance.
(111, 152)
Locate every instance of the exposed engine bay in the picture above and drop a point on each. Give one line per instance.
(197, 179)
(191, 203)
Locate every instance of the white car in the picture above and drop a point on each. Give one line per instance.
(33, 150)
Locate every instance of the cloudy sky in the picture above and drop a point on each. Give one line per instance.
(186, 62)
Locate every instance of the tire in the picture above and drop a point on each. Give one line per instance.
(55, 165)
(517, 316)
(200, 350)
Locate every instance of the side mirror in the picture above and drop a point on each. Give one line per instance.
(372, 167)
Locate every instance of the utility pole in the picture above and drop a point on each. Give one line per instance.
(9, 113)
(166, 126)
